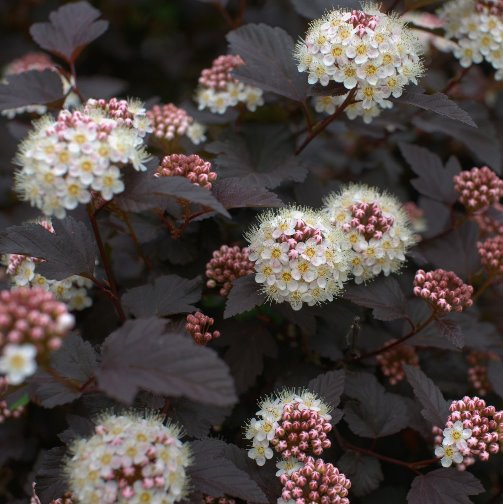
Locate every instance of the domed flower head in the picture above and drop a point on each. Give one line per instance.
(477, 27)
(491, 255)
(443, 290)
(366, 50)
(226, 265)
(298, 257)
(315, 482)
(376, 230)
(293, 424)
(22, 271)
(192, 167)
(169, 122)
(199, 327)
(32, 325)
(64, 160)
(218, 89)
(472, 430)
(478, 372)
(130, 458)
(392, 361)
(478, 188)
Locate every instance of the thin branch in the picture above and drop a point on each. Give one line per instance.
(114, 295)
(322, 125)
(413, 332)
(132, 234)
(456, 80)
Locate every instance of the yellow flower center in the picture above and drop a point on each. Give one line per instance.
(73, 189)
(17, 362)
(79, 138)
(286, 276)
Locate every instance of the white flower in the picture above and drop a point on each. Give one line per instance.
(260, 454)
(288, 466)
(109, 183)
(18, 362)
(361, 56)
(457, 436)
(448, 454)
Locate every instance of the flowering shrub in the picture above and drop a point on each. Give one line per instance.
(236, 268)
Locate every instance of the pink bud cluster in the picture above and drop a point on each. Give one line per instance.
(443, 290)
(362, 22)
(478, 188)
(316, 482)
(302, 233)
(219, 75)
(226, 265)
(30, 61)
(488, 224)
(217, 500)
(33, 316)
(115, 108)
(491, 254)
(368, 220)
(192, 167)
(477, 370)
(391, 361)
(491, 6)
(198, 326)
(168, 121)
(301, 430)
(485, 423)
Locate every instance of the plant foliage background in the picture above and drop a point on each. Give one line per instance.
(130, 348)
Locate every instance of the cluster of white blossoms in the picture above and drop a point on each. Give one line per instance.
(298, 257)
(365, 50)
(218, 89)
(377, 231)
(294, 424)
(129, 459)
(477, 27)
(64, 160)
(22, 272)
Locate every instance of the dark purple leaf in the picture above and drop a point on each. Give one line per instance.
(329, 386)
(168, 295)
(13, 441)
(444, 486)
(451, 331)
(197, 419)
(101, 86)
(482, 142)
(305, 319)
(215, 474)
(495, 374)
(438, 103)
(30, 88)
(70, 250)
(78, 427)
(313, 9)
(383, 295)
(374, 413)
(456, 251)
(434, 180)
(69, 30)
(143, 192)
(221, 2)
(244, 295)
(435, 407)
(252, 340)
(269, 62)
(234, 193)
(258, 157)
(143, 355)
(332, 89)
(364, 472)
(49, 477)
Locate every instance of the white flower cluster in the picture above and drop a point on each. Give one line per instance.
(262, 431)
(219, 101)
(377, 231)
(129, 459)
(477, 27)
(218, 89)
(298, 257)
(366, 50)
(72, 290)
(453, 444)
(63, 160)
